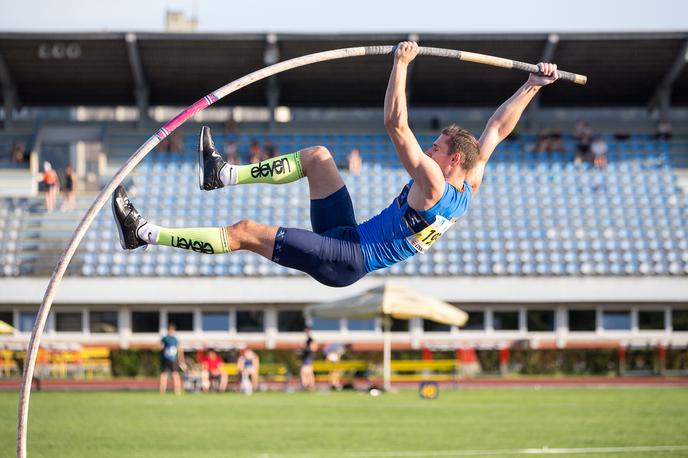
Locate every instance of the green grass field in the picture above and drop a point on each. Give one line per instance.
(332, 425)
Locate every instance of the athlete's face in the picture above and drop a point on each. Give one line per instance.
(440, 153)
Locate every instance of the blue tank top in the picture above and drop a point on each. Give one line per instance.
(399, 232)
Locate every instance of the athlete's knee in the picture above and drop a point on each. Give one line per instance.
(315, 155)
(244, 226)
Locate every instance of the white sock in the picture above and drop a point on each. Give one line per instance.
(228, 174)
(149, 233)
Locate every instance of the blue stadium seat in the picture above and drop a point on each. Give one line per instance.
(567, 220)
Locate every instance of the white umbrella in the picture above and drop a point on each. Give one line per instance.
(6, 328)
(389, 300)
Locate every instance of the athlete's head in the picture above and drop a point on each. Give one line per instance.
(171, 328)
(455, 147)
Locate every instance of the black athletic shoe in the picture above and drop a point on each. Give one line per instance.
(209, 162)
(128, 220)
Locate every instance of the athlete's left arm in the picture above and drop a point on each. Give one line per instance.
(503, 121)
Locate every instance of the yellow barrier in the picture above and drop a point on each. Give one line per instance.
(63, 362)
(440, 365)
(96, 360)
(437, 370)
(7, 364)
(343, 366)
(402, 370)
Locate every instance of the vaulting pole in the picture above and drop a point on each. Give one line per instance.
(168, 128)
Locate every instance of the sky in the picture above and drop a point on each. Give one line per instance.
(348, 16)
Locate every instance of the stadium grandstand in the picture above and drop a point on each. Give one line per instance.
(580, 257)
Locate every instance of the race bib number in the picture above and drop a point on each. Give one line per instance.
(423, 240)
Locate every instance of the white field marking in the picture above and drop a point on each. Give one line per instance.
(503, 452)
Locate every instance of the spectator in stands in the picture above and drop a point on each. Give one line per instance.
(231, 126)
(232, 152)
(549, 140)
(52, 185)
(599, 148)
(163, 146)
(171, 360)
(622, 135)
(582, 150)
(664, 130)
(70, 185)
(355, 162)
(270, 149)
(307, 358)
(213, 373)
(173, 143)
(255, 152)
(542, 143)
(582, 130)
(248, 366)
(339, 251)
(18, 153)
(556, 140)
(176, 142)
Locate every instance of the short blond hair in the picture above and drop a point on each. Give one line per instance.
(461, 140)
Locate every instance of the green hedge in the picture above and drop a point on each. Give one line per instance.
(677, 359)
(569, 361)
(135, 363)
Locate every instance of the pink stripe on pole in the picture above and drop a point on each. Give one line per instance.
(186, 114)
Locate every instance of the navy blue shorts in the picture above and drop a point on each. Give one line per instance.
(331, 253)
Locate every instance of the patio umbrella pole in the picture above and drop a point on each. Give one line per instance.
(387, 362)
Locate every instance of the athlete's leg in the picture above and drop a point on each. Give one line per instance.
(255, 237)
(177, 382)
(205, 381)
(331, 204)
(254, 379)
(315, 163)
(244, 235)
(321, 172)
(334, 259)
(163, 382)
(223, 382)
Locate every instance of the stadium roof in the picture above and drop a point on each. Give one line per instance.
(50, 69)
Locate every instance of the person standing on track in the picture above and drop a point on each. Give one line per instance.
(171, 360)
(339, 251)
(308, 354)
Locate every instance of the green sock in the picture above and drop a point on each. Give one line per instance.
(206, 240)
(278, 170)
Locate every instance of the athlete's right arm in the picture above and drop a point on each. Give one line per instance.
(424, 171)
